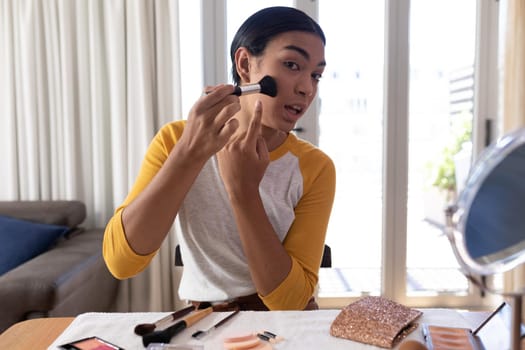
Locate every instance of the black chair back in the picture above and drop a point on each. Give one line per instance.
(325, 262)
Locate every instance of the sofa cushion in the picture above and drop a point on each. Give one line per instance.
(54, 212)
(22, 240)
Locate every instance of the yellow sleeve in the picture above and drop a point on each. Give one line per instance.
(305, 239)
(122, 261)
(120, 258)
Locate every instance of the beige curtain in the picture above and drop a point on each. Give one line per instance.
(514, 67)
(514, 94)
(84, 85)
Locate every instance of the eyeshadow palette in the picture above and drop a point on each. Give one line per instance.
(492, 333)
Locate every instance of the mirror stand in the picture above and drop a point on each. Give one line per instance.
(515, 330)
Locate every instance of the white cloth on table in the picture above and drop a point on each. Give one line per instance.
(301, 329)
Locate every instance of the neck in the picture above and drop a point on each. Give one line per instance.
(274, 138)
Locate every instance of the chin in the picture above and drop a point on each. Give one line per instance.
(283, 124)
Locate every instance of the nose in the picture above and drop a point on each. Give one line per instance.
(305, 86)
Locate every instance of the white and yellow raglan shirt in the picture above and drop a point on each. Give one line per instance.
(297, 191)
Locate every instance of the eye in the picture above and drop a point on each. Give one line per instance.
(291, 65)
(317, 76)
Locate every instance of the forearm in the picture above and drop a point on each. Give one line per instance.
(149, 216)
(268, 261)
(304, 244)
(138, 227)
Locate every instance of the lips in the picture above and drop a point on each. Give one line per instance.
(294, 112)
(294, 109)
(287, 111)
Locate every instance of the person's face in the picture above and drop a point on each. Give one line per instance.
(296, 61)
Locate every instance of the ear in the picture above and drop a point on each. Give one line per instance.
(242, 63)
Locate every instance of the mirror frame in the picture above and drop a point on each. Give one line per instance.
(457, 214)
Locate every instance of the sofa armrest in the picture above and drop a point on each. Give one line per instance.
(67, 212)
(69, 279)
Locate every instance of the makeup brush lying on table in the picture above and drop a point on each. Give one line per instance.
(145, 328)
(165, 335)
(201, 334)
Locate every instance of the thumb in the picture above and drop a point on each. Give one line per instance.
(228, 129)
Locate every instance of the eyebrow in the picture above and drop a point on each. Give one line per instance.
(303, 53)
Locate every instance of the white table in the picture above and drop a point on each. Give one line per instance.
(302, 330)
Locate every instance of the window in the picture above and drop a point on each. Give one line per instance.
(351, 132)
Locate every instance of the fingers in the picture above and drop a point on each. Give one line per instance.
(215, 99)
(254, 130)
(222, 116)
(228, 129)
(254, 133)
(215, 94)
(262, 149)
(217, 105)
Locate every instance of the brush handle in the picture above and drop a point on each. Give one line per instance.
(266, 85)
(145, 328)
(176, 315)
(224, 320)
(246, 89)
(196, 316)
(165, 335)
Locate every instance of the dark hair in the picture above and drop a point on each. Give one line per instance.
(262, 26)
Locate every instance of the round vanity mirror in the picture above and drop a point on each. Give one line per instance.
(486, 226)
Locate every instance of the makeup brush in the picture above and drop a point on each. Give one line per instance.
(201, 334)
(266, 85)
(165, 335)
(145, 328)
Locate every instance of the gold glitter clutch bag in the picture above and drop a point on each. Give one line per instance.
(376, 321)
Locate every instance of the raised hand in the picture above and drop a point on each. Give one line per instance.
(244, 159)
(210, 124)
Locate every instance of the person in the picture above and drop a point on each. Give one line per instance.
(253, 200)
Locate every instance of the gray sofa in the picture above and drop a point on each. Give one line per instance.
(68, 279)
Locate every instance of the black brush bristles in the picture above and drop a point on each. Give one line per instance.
(266, 85)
